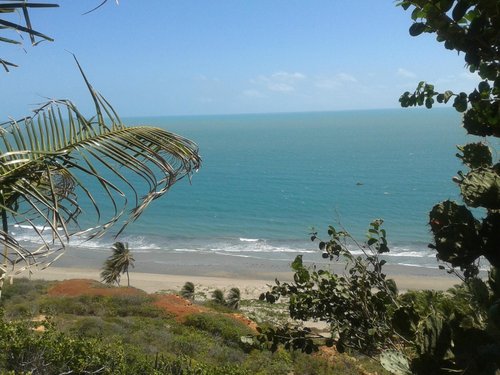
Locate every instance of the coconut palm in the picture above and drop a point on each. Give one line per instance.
(110, 275)
(218, 297)
(233, 298)
(117, 264)
(187, 290)
(57, 163)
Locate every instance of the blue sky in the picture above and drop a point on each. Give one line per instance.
(185, 57)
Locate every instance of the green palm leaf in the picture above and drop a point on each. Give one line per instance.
(21, 8)
(117, 264)
(57, 161)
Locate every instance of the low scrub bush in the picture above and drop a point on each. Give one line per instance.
(219, 325)
(102, 306)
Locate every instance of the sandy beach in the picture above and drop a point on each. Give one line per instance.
(208, 272)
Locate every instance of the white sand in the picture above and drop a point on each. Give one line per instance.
(249, 287)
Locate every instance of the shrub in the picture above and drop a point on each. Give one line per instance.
(219, 325)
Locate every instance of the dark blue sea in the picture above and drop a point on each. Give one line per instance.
(268, 179)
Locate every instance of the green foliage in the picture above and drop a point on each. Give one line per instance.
(420, 332)
(146, 339)
(233, 298)
(395, 362)
(109, 306)
(187, 290)
(25, 351)
(469, 27)
(218, 297)
(357, 306)
(222, 326)
(465, 341)
(118, 263)
(230, 302)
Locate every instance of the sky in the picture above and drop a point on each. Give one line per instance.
(186, 57)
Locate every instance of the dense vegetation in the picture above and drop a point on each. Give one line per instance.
(130, 335)
(423, 332)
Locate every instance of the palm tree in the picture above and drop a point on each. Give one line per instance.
(118, 263)
(187, 290)
(57, 162)
(218, 297)
(110, 275)
(233, 298)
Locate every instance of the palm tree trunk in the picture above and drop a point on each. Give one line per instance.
(128, 279)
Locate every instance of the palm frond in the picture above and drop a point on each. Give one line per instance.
(233, 298)
(58, 162)
(187, 290)
(20, 7)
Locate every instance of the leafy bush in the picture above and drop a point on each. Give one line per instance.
(357, 306)
(225, 327)
(23, 288)
(23, 350)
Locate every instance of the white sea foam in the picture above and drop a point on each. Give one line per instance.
(249, 239)
(235, 255)
(245, 247)
(187, 250)
(418, 265)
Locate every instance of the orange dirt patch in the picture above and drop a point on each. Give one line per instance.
(173, 304)
(178, 306)
(78, 287)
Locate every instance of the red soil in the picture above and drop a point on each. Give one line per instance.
(78, 287)
(179, 307)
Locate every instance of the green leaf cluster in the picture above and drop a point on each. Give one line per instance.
(470, 27)
(422, 332)
(357, 305)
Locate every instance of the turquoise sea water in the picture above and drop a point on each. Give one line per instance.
(266, 180)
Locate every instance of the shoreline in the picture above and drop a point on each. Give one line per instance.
(251, 278)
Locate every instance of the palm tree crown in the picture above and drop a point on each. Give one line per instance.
(118, 263)
(57, 162)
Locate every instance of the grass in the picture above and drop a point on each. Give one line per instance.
(130, 335)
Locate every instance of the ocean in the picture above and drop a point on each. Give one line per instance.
(268, 179)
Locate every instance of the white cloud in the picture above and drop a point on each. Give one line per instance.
(280, 81)
(405, 73)
(288, 77)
